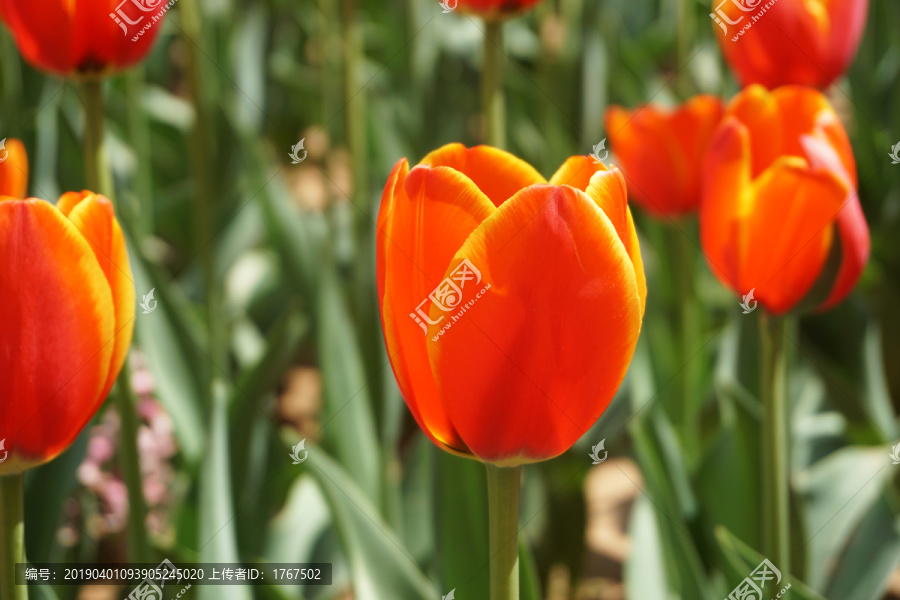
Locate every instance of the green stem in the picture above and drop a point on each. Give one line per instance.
(141, 206)
(96, 162)
(503, 525)
(129, 459)
(12, 535)
(492, 85)
(690, 334)
(202, 147)
(99, 179)
(775, 475)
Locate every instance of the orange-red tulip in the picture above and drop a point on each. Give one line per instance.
(661, 151)
(780, 42)
(84, 36)
(13, 169)
(511, 307)
(493, 9)
(66, 318)
(779, 191)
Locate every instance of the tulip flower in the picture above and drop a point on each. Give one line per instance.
(780, 42)
(661, 152)
(511, 307)
(779, 192)
(13, 169)
(493, 9)
(86, 37)
(66, 317)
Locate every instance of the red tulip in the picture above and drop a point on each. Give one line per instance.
(779, 42)
(511, 307)
(493, 9)
(66, 317)
(779, 191)
(661, 152)
(84, 36)
(13, 169)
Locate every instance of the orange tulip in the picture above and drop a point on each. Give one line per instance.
(661, 152)
(779, 42)
(493, 10)
(13, 169)
(779, 190)
(66, 317)
(511, 307)
(84, 36)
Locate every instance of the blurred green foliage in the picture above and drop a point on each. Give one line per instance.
(368, 82)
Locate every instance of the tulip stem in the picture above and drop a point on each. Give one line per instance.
(775, 448)
(98, 175)
(12, 535)
(503, 524)
(138, 544)
(492, 85)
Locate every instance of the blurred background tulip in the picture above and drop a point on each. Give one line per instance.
(13, 169)
(582, 295)
(83, 37)
(779, 195)
(780, 42)
(66, 317)
(493, 9)
(661, 152)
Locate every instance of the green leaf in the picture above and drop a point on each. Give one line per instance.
(837, 492)
(462, 525)
(349, 425)
(645, 571)
(529, 584)
(742, 560)
(871, 556)
(380, 566)
(168, 357)
(46, 490)
(218, 537)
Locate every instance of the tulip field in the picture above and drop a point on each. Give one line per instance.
(449, 300)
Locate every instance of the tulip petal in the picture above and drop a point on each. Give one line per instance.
(431, 212)
(43, 31)
(536, 358)
(497, 173)
(607, 188)
(56, 330)
(95, 218)
(577, 172)
(14, 170)
(833, 154)
(790, 229)
(724, 201)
